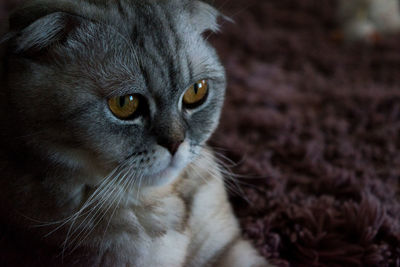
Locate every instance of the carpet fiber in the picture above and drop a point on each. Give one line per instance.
(313, 127)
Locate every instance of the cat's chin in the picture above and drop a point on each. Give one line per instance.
(163, 177)
(173, 169)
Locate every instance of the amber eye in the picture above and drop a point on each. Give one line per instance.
(124, 107)
(196, 94)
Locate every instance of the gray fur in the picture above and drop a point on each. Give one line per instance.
(60, 77)
(60, 143)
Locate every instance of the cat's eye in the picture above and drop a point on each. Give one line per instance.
(196, 94)
(124, 107)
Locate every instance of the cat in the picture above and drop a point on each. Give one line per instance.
(106, 107)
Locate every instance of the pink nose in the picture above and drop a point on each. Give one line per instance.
(172, 146)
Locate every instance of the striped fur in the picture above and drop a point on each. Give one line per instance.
(94, 189)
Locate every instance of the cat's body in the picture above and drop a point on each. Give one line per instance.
(187, 223)
(90, 187)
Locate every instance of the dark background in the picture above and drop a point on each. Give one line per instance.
(313, 125)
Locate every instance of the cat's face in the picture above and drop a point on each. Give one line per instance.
(141, 88)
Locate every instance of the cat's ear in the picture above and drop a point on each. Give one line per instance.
(36, 31)
(205, 17)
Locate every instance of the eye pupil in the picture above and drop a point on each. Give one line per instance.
(125, 107)
(121, 101)
(196, 94)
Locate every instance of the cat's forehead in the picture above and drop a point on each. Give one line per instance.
(159, 42)
(165, 49)
(122, 13)
(159, 22)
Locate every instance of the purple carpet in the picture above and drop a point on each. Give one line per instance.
(313, 128)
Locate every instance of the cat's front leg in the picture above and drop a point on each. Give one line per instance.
(216, 236)
(240, 253)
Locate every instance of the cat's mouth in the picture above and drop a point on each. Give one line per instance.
(134, 154)
(162, 177)
(164, 167)
(160, 173)
(168, 172)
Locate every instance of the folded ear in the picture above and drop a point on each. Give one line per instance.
(36, 28)
(46, 31)
(204, 16)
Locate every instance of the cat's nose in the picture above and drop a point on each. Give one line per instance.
(171, 145)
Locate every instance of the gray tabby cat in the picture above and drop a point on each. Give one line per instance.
(106, 108)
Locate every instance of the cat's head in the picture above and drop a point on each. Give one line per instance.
(95, 84)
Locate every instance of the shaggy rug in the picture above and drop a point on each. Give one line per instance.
(312, 126)
(311, 130)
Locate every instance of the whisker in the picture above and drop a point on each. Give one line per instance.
(219, 169)
(118, 196)
(221, 158)
(131, 182)
(97, 196)
(97, 209)
(106, 181)
(229, 18)
(139, 186)
(198, 174)
(72, 231)
(86, 233)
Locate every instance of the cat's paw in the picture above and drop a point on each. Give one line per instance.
(242, 254)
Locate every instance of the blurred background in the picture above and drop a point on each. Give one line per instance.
(312, 123)
(311, 127)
